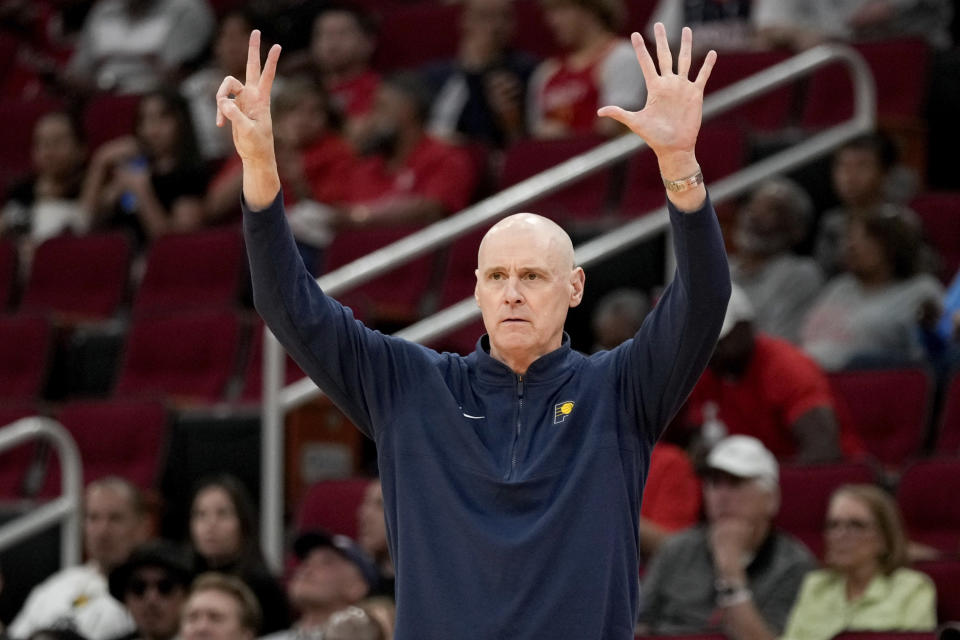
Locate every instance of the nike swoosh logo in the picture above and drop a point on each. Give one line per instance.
(467, 415)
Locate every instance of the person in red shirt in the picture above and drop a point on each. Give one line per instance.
(671, 498)
(406, 177)
(765, 387)
(597, 68)
(342, 45)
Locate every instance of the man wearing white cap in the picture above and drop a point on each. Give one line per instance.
(765, 387)
(734, 575)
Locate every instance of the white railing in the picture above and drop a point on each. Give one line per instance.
(278, 399)
(66, 508)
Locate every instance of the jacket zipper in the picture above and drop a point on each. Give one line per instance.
(516, 437)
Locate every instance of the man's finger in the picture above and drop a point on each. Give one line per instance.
(229, 86)
(227, 108)
(664, 57)
(269, 71)
(253, 58)
(686, 48)
(620, 115)
(705, 70)
(643, 57)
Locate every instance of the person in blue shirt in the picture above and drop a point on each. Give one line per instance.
(512, 477)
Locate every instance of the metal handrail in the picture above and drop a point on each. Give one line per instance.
(277, 399)
(64, 509)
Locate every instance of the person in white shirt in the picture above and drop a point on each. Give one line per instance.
(114, 523)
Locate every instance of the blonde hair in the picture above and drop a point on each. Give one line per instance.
(885, 512)
(250, 612)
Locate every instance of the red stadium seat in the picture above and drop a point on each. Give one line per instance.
(81, 277)
(946, 576)
(940, 214)
(720, 151)
(200, 270)
(928, 497)
(25, 347)
(15, 462)
(332, 505)
(395, 296)
(769, 112)
(18, 118)
(890, 409)
(188, 356)
(8, 273)
(805, 492)
(125, 438)
(948, 432)
(900, 69)
(533, 34)
(109, 116)
(584, 199)
(401, 43)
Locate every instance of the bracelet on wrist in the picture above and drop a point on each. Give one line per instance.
(683, 184)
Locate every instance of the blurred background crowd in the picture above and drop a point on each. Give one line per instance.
(822, 442)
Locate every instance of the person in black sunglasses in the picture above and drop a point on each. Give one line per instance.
(153, 584)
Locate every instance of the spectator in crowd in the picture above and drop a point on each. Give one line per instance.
(874, 313)
(153, 584)
(735, 574)
(764, 387)
(780, 284)
(800, 24)
(383, 609)
(114, 522)
(407, 176)
(617, 317)
(372, 535)
(220, 607)
(200, 88)
(48, 202)
(671, 498)
(353, 623)
(720, 24)
(865, 585)
(344, 40)
(137, 46)
(314, 164)
(861, 174)
(223, 528)
(481, 94)
(334, 573)
(598, 68)
(153, 182)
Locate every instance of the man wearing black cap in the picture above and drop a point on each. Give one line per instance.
(153, 584)
(334, 573)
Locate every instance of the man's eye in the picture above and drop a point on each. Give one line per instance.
(532, 276)
(496, 276)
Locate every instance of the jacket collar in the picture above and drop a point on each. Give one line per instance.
(544, 369)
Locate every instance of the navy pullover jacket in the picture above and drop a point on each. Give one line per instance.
(512, 502)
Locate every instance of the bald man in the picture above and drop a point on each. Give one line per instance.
(511, 477)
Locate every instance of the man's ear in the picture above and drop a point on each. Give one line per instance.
(577, 281)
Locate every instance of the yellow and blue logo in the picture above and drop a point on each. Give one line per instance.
(561, 411)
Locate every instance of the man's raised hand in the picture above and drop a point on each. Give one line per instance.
(670, 120)
(247, 105)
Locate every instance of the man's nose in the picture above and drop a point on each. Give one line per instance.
(511, 292)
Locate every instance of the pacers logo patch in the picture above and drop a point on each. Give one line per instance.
(561, 411)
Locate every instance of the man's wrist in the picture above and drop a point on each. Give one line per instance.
(678, 165)
(732, 592)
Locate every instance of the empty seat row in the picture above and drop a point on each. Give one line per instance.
(87, 277)
(123, 437)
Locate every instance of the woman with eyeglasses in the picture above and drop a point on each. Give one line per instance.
(865, 585)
